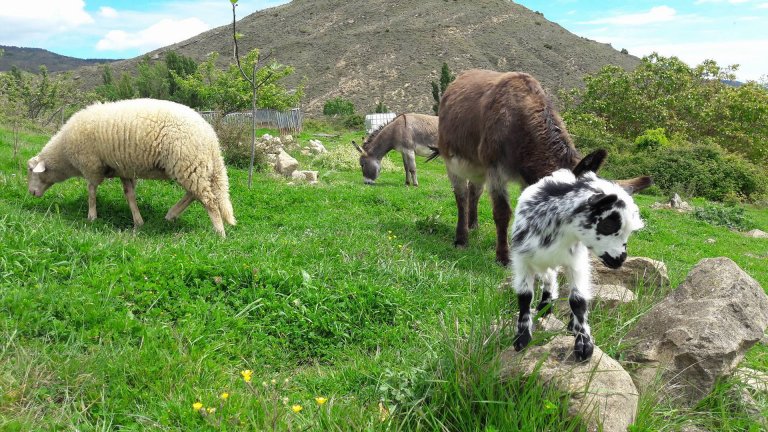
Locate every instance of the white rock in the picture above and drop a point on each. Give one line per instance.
(317, 147)
(756, 233)
(286, 164)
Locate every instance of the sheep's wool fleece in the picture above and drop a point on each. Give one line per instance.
(140, 138)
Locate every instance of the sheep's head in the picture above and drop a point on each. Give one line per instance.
(39, 177)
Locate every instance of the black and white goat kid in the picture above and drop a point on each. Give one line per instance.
(557, 221)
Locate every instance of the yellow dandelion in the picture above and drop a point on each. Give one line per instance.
(224, 396)
(297, 408)
(247, 375)
(274, 381)
(321, 400)
(211, 410)
(197, 406)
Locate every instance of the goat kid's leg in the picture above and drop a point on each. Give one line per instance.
(129, 189)
(549, 292)
(475, 191)
(180, 206)
(461, 193)
(579, 302)
(502, 213)
(524, 289)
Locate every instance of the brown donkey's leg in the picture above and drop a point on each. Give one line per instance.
(461, 192)
(502, 213)
(475, 191)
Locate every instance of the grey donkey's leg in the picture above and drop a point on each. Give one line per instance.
(524, 289)
(549, 291)
(180, 206)
(409, 163)
(461, 193)
(129, 189)
(579, 301)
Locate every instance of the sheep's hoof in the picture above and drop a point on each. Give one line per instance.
(522, 340)
(583, 347)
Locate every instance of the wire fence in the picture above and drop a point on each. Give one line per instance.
(286, 121)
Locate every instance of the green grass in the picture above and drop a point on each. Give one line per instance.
(346, 291)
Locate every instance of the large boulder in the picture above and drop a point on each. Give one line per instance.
(635, 271)
(286, 164)
(699, 332)
(600, 390)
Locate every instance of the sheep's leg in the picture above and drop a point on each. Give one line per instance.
(213, 212)
(461, 193)
(129, 189)
(579, 301)
(524, 289)
(475, 191)
(409, 163)
(502, 213)
(180, 206)
(92, 186)
(549, 291)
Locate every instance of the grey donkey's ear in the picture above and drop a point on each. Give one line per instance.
(636, 184)
(591, 163)
(362, 152)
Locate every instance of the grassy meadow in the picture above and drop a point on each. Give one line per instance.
(335, 306)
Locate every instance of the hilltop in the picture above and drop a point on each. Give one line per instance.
(370, 50)
(30, 59)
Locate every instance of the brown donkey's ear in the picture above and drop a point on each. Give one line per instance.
(636, 184)
(591, 162)
(362, 152)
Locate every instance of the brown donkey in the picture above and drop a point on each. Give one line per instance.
(493, 128)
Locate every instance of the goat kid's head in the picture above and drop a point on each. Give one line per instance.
(609, 215)
(370, 165)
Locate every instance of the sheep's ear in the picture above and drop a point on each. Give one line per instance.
(40, 167)
(636, 184)
(591, 162)
(601, 201)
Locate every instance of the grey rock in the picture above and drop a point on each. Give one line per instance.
(700, 331)
(635, 271)
(756, 233)
(286, 164)
(600, 390)
(612, 295)
(753, 379)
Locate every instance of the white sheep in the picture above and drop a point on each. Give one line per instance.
(139, 138)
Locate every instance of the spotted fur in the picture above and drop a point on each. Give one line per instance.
(558, 220)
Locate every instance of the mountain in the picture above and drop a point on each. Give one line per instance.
(30, 59)
(390, 50)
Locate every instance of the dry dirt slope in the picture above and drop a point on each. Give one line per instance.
(370, 50)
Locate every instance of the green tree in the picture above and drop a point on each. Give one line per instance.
(152, 80)
(446, 77)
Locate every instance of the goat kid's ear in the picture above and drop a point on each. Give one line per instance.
(591, 163)
(636, 184)
(40, 167)
(601, 201)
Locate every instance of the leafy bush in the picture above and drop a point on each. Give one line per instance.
(235, 141)
(651, 140)
(345, 158)
(354, 121)
(338, 106)
(728, 216)
(703, 170)
(381, 108)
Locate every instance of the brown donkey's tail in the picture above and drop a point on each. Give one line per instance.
(434, 155)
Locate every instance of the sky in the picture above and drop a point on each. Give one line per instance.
(727, 31)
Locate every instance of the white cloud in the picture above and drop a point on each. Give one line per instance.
(167, 31)
(108, 12)
(20, 21)
(655, 15)
(699, 2)
(762, 6)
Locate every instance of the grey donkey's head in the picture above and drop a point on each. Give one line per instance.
(370, 165)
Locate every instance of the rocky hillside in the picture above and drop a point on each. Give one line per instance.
(371, 50)
(30, 59)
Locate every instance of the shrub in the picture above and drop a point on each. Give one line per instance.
(728, 216)
(235, 141)
(651, 140)
(381, 108)
(338, 106)
(354, 121)
(345, 158)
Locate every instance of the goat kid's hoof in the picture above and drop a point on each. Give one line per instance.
(522, 340)
(544, 309)
(583, 347)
